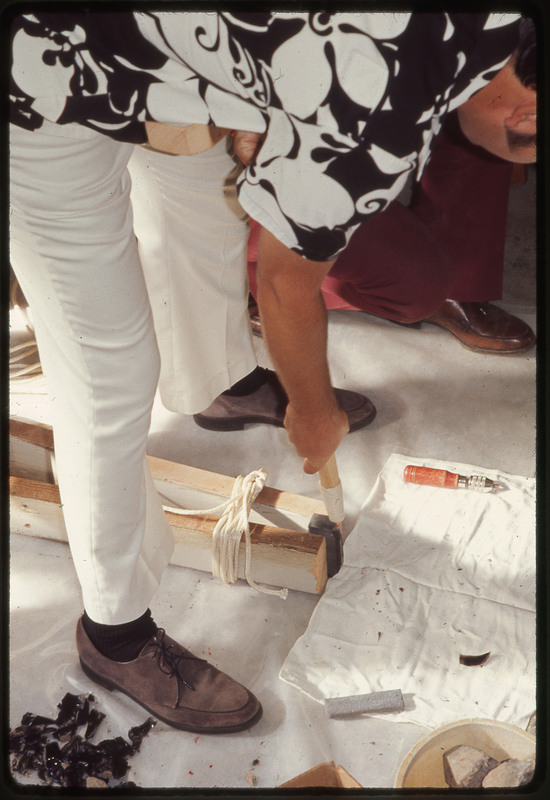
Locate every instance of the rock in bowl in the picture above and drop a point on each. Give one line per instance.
(423, 766)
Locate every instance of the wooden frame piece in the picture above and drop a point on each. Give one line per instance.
(281, 556)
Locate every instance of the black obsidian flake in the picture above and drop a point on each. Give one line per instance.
(60, 751)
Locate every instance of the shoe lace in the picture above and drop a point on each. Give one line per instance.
(169, 659)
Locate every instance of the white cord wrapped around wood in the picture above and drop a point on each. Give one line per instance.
(233, 523)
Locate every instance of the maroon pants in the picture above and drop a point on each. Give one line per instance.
(447, 244)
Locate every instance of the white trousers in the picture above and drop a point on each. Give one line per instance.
(192, 236)
(75, 255)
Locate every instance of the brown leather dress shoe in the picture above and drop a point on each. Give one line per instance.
(267, 406)
(484, 327)
(175, 686)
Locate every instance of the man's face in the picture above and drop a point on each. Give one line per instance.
(502, 118)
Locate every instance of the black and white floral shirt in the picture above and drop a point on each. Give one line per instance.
(350, 103)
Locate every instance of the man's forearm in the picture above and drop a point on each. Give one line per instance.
(294, 323)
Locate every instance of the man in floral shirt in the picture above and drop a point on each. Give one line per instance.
(340, 109)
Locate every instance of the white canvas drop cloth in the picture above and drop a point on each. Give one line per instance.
(430, 574)
(433, 398)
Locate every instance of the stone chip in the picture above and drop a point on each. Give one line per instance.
(465, 767)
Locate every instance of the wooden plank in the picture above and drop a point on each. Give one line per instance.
(185, 486)
(293, 559)
(35, 490)
(31, 451)
(221, 486)
(40, 435)
(35, 510)
(325, 774)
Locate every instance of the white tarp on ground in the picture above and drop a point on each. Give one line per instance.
(431, 574)
(435, 400)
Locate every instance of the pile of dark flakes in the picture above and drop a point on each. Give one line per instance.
(60, 752)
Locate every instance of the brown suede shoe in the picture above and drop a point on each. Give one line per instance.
(174, 685)
(484, 327)
(267, 406)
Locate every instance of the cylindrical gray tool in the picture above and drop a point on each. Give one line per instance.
(373, 703)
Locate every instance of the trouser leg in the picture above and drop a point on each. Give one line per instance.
(192, 237)
(393, 267)
(401, 264)
(74, 253)
(463, 200)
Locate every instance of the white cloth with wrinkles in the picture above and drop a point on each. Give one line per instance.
(430, 574)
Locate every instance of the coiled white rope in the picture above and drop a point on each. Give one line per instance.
(229, 530)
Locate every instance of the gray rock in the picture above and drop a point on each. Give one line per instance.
(465, 767)
(509, 773)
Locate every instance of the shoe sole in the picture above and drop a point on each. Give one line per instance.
(236, 424)
(239, 423)
(106, 684)
(487, 350)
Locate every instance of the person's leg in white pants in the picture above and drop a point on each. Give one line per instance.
(196, 275)
(74, 253)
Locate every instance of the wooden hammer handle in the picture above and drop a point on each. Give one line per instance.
(328, 474)
(331, 489)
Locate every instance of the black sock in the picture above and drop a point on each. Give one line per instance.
(120, 642)
(250, 383)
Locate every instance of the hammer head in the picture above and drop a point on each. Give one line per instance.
(321, 525)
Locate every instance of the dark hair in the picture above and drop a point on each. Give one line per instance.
(525, 56)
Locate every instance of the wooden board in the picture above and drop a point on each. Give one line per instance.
(32, 456)
(325, 774)
(191, 487)
(31, 451)
(282, 558)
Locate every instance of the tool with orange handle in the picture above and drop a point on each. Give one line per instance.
(427, 476)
